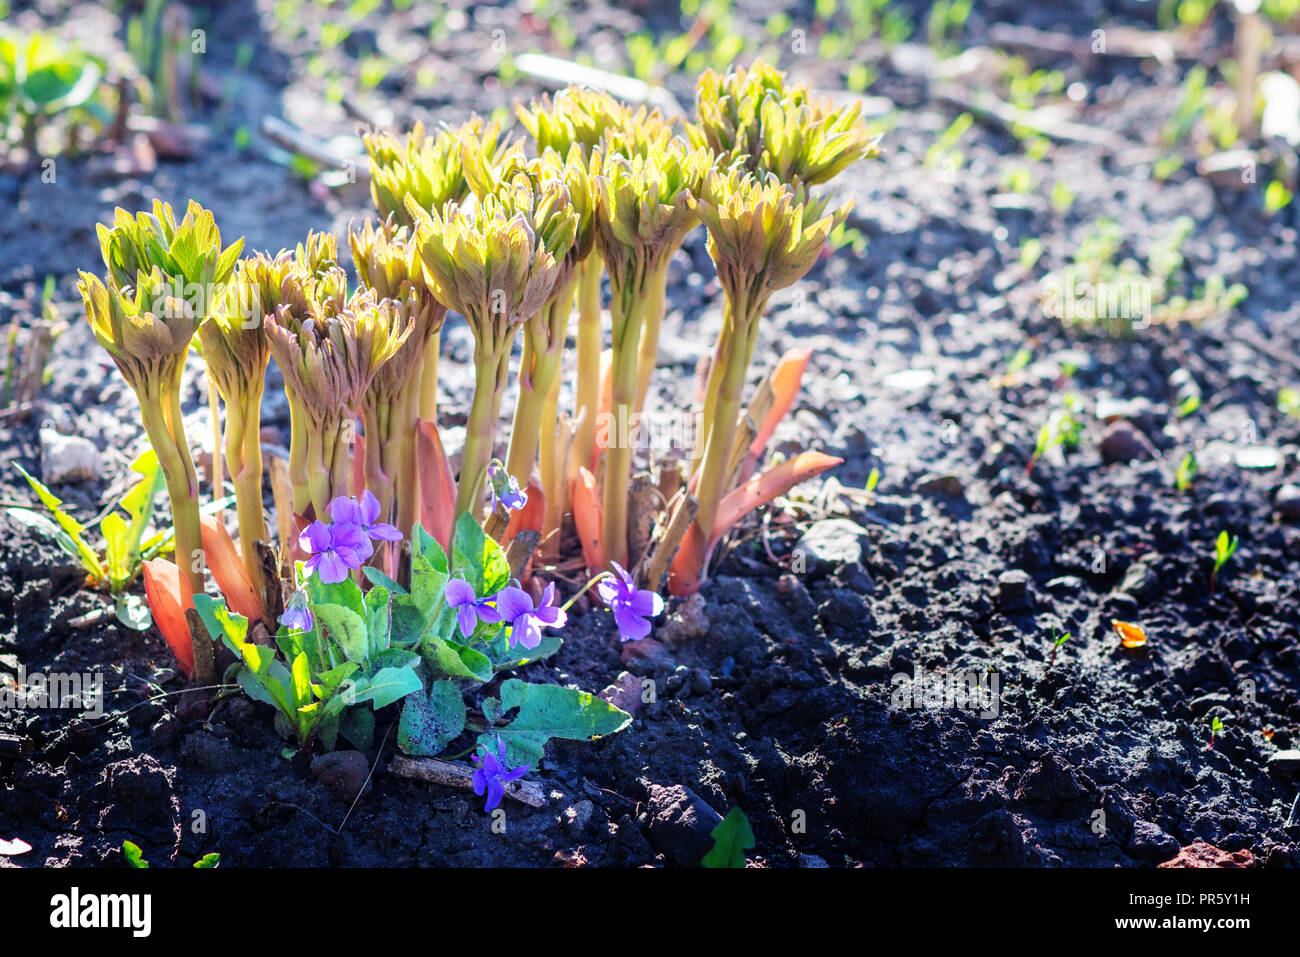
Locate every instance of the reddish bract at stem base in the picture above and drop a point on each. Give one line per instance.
(228, 570)
(786, 379)
(437, 487)
(162, 589)
(168, 603)
(531, 516)
(686, 573)
(589, 518)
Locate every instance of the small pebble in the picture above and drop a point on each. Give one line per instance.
(701, 683)
(1285, 763)
(1287, 503)
(577, 816)
(1013, 591)
(164, 732)
(343, 772)
(68, 458)
(1123, 442)
(834, 541)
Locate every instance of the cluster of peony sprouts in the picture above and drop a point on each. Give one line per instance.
(514, 236)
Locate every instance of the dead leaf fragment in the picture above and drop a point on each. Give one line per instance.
(1130, 635)
(13, 848)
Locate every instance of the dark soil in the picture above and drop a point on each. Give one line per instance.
(785, 699)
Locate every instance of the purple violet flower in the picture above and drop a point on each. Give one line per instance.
(503, 490)
(494, 773)
(334, 550)
(470, 609)
(297, 616)
(346, 510)
(632, 607)
(515, 606)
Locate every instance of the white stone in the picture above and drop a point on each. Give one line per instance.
(68, 458)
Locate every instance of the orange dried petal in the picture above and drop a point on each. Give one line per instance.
(1130, 635)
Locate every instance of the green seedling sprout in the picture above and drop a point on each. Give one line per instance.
(731, 839)
(1216, 727)
(1031, 250)
(1188, 406)
(1288, 402)
(1066, 374)
(1015, 365)
(1061, 428)
(134, 857)
(126, 546)
(1186, 473)
(1057, 642)
(1138, 295)
(943, 153)
(1224, 547)
(1041, 445)
(1276, 196)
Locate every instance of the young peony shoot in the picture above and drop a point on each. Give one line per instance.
(754, 118)
(236, 352)
(388, 263)
(329, 351)
(163, 277)
(575, 117)
(763, 236)
(495, 261)
(649, 136)
(427, 169)
(546, 330)
(643, 212)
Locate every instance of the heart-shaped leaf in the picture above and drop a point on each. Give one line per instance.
(549, 711)
(431, 722)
